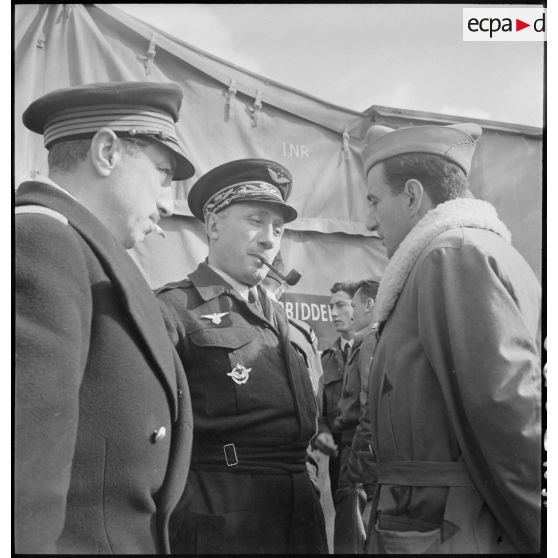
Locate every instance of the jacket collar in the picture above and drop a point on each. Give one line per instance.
(334, 347)
(361, 334)
(462, 212)
(211, 284)
(125, 276)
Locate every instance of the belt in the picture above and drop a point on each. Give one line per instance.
(230, 456)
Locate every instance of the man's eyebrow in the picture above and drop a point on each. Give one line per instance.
(371, 197)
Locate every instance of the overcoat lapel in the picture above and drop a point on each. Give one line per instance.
(126, 277)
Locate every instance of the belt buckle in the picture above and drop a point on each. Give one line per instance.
(230, 455)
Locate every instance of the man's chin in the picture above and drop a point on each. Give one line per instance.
(252, 278)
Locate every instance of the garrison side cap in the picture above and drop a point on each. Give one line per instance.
(243, 180)
(129, 108)
(455, 142)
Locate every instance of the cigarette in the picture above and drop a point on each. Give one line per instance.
(159, 230)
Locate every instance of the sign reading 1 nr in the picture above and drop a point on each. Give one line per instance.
(298, 150)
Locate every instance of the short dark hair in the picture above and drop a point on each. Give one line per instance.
(347, 286)
(65, 155)
(441, 179)
(368, 289)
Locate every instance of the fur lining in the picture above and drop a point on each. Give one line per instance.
(462, 212)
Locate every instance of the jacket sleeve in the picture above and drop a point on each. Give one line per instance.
(364, 365)
(323, 425)
(477, 338)
(361, 461)
(52, 320)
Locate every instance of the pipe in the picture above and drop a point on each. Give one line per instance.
(292, 278)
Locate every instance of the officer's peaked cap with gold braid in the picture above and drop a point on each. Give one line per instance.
(129, 108)
(244, 180)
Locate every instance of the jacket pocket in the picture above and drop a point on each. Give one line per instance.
(397, 536)
(218, 351)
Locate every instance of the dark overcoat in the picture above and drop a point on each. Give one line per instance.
(103, 423)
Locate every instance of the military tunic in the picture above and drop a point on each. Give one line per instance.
(254, 415)
(102, 422)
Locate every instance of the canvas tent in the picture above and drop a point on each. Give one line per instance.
(229, 113)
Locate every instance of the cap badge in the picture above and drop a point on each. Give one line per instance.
(278, 177)
(239, 374)
(215, 318)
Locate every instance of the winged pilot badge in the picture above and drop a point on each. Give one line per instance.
(239, 374)
(278, 176)
(215, 318)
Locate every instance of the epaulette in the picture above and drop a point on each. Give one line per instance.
(305, 329)
(184, 284)
(41, 210)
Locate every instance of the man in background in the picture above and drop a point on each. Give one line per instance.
(302, 336)
(349, 533)
(102, 422)
(334, 359)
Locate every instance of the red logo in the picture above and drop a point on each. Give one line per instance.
(519, 25)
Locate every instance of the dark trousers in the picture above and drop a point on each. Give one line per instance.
(349, 533)
(236, 513)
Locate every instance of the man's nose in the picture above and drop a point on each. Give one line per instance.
(165, 203)
(267, 238)
(371, 221)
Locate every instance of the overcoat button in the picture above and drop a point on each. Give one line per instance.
(158, 434)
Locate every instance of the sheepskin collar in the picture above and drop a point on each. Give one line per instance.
(462, 212)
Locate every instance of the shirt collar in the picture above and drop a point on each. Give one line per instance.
(239, 287)
(47, 180)
(343, 342)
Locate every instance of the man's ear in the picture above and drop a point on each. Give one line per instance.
(105, 152)
(212, 226)
(369, 304)
(414, 190)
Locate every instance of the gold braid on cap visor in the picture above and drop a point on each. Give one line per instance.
(133, 120)
(244, 191)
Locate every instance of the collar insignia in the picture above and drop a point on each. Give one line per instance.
(215, 318)
(239, 374)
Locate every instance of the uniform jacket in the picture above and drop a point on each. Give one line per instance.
(103, 424)
(455, 382)
(269, 412)
(355, 383)
(333, 366)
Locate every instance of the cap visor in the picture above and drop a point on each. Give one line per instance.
(289, 213)
(184, 169)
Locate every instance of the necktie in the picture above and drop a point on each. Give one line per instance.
(345, 352)
(254, 299)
